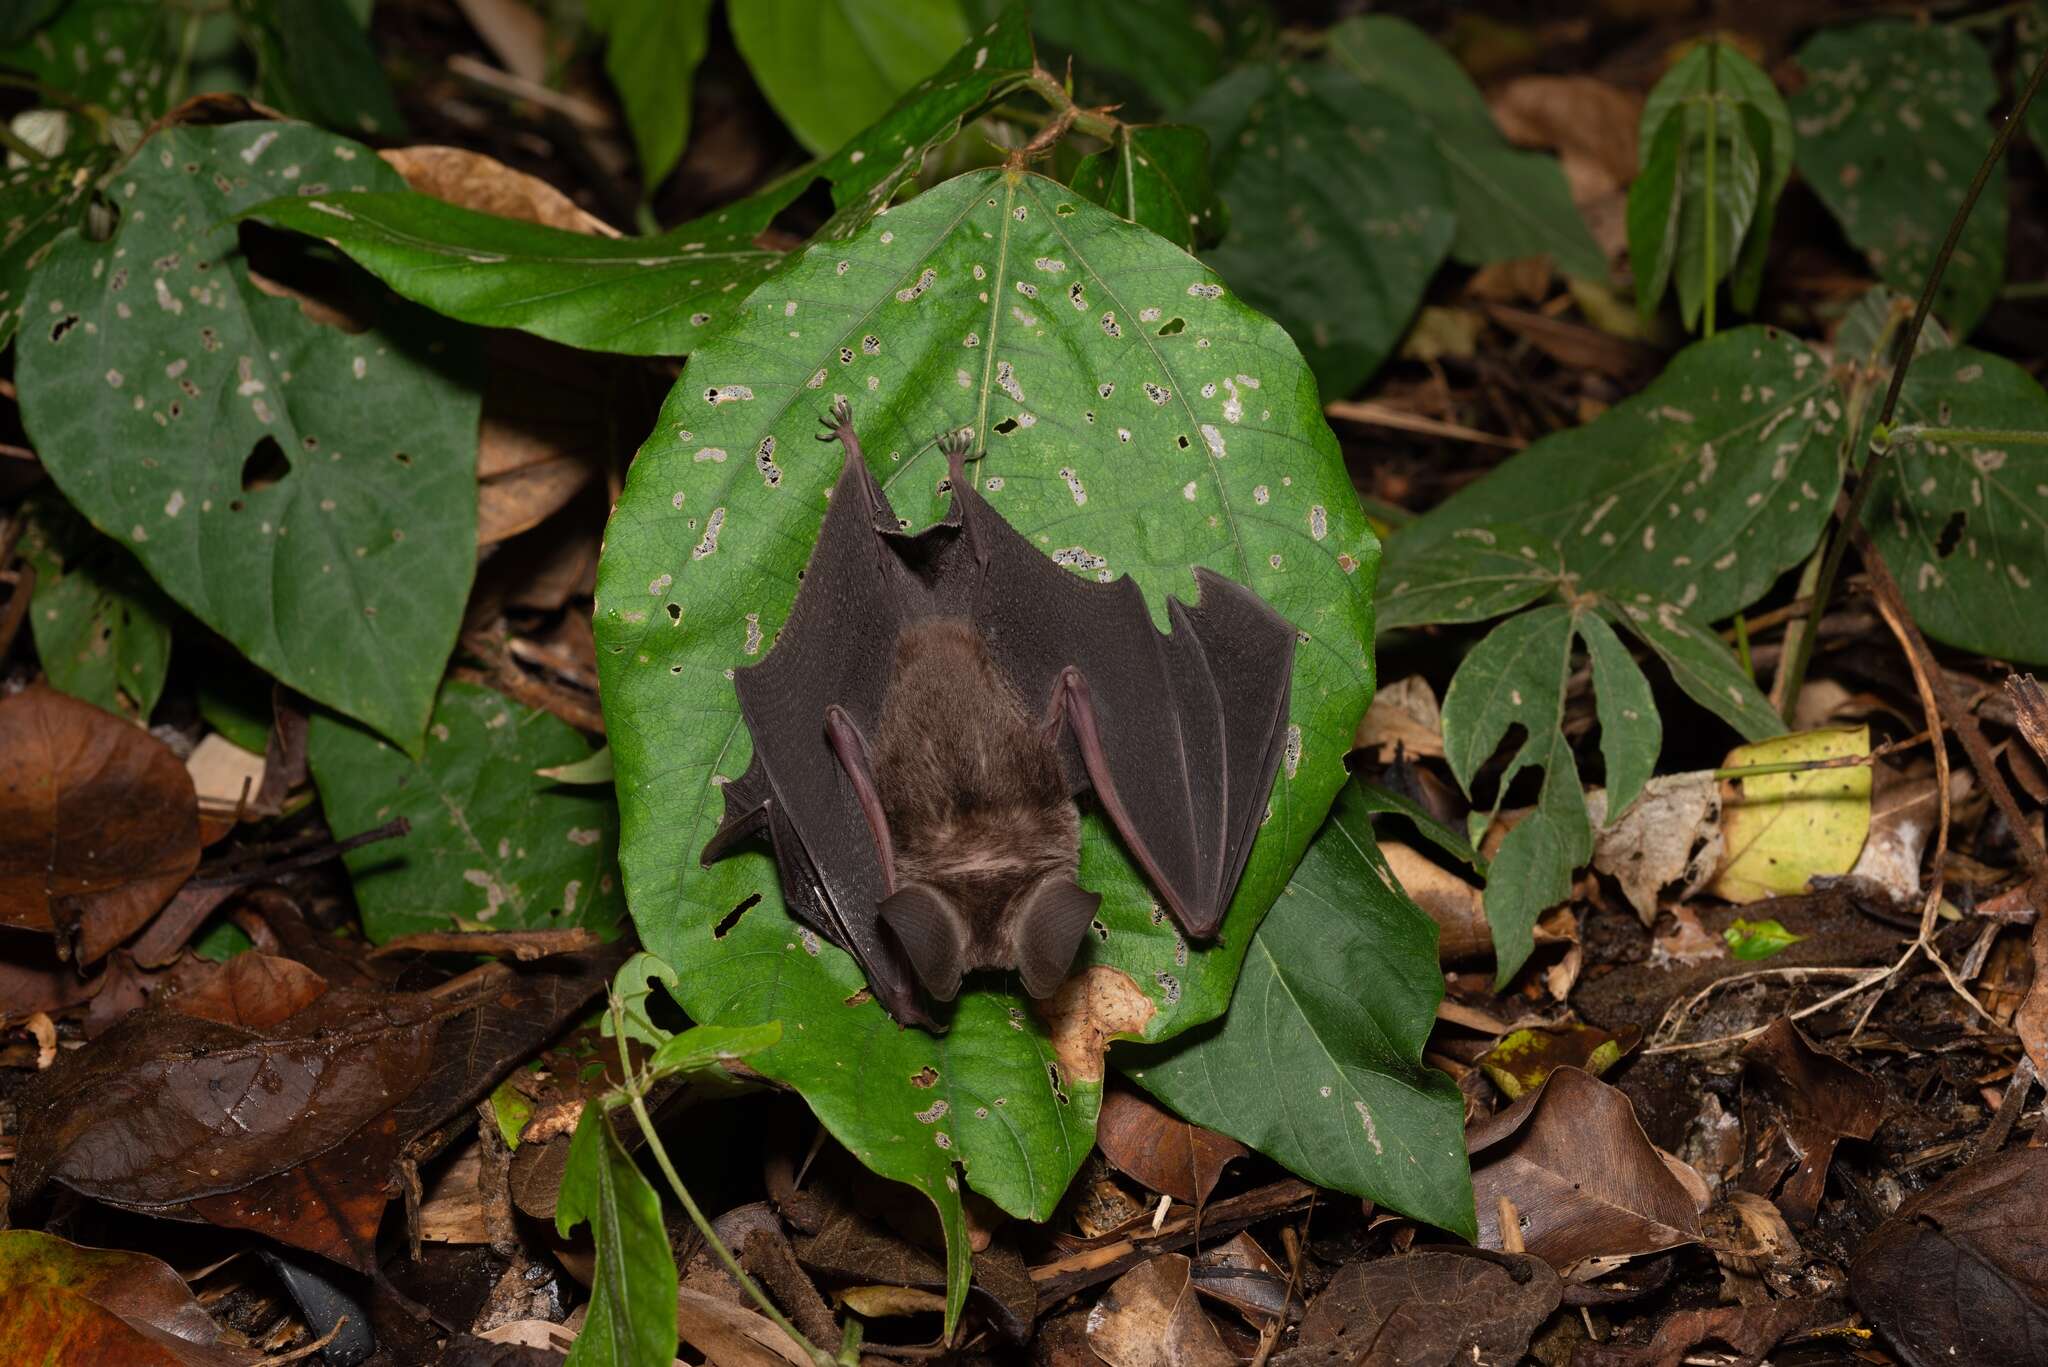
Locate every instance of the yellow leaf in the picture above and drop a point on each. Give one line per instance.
(874, 1301)
(1780, 830)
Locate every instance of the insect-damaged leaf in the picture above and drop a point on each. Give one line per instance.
(1311, 1071)
(115, 53)
(102, 630)
(493, 844)
(308, 493)
(98, 823)
(1156, 175)
(1477, 574)
(1509, 202)
(1700, 490)
(36, 203)
(1890, 128)
(1344, 268)
(1137, 418)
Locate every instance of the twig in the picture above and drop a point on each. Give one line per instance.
(320, 854)
(1376, 414)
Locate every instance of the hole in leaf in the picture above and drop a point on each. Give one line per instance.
(1006, 427)
(732, 918)
(675, 612)
(1173, 327)
(401, 457)
(265, 467)
(1951, 534)
(1183, 440)
(62, 326)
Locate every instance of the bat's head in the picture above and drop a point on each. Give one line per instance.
(1037, 933)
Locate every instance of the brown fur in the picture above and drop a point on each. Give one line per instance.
(977, 804)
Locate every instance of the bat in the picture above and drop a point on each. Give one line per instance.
(936, 702)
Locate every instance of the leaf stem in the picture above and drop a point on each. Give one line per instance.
(1902, 359)
(633, 1088)
(1976, 436)
(1712, 208)
(1096, 123)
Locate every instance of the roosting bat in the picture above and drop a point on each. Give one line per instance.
(933, 705)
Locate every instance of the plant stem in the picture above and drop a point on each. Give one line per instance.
(1742, 646)
(1975, 436)
(1712, 209)
(1095, 123)
(632, 1088)
(1902, 359)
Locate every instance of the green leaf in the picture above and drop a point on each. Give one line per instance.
(1156, 175)
(1509, 203)
(493, 845)
(36, 203)
(236, 700)
(1963, 524)
(20, 18)
(1157, 45)
(1891, 129)
(706, 1046)
(308, 493)
(1758, 939)
(632, 1317)
(1513, 678)
(596, 770)
(832, 67)
(1344, 265)
(1745, 99)
(652, 51)
(1374, 799)
(1630, 730)
(1138, 418)
(1700, 490)
(510, 1109)
(1700, 663)
(1474, 575)
(1311, 1070)
(315, 62)
(633, 985)
(1722, 186)
(102, 630)
(114, 53)
(640, 296)
(2030, 30)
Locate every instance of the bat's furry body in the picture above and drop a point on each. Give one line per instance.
(934, 703)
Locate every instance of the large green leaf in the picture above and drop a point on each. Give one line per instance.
(102, 630)
(36, 203)
(649, 296)
(1745, 99)
(314, 61)
(112, 53)
(308, 493)
(1891, 128)
(1319, 1062)
(1509, 202)
(1963, 524)
(1156, 47)
(652, 51)
(632, 1317)
(1138, 418)
(1479, 573)
(1700, 490)
(1691, 208)
(493, 845)
(1339, 213)
(1156, 175)
(832, 67)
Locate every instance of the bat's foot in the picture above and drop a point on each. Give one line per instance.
(956, 445)
(838, 422)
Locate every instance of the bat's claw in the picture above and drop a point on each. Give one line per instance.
(956, 444)
(838, 422)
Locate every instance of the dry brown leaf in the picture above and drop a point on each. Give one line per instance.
(1150, 1317)
(1404, 715)
(471, 180)
(1670, 834)
(1457, 907)
(1798, 1102)
(1161, 1150)
(1581, 118)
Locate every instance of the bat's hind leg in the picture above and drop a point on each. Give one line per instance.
(956, 446)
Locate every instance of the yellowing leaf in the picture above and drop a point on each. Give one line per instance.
(1780, 830)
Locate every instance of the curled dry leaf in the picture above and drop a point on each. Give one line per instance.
(1960, 1272)
(1405, 715)
(1670, 834)
(1457, 907)
(75, 1304)
(1523, 1059)
(1159, 1149)
(254, 991)
(1590, 1187)
(98, 823)
(471, 180)
(1243, 1276)
(1798, 1103)
(1427, 1307)
(1150, 1317)
(1751, 1330)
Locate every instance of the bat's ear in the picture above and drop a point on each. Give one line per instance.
(932, 934)
(1048, 925)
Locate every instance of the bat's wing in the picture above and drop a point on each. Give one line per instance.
(1178, 733)
(835, 650)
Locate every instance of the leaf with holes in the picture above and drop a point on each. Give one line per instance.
(1156, 175)
(832, 67)
(308, 493)
(1479, 573)
(36, 203)
(651, 52)
(1700, 490)
(1339, 212)
(1138, 418)
(1963, 523)
(493, 845)
(1891, 126)
(1744, 99)
(645, 296)
(102, 630)
(115, 53)
(1311, 1071)
(1508, 202)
